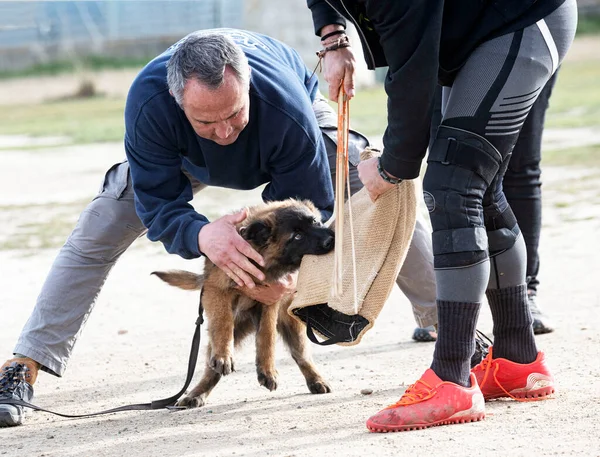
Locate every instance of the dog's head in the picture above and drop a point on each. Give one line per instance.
(284, 232)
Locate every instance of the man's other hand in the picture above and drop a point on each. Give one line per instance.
(337, 65)
(373, 182)
(271, 294)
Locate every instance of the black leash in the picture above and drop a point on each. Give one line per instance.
(156, 404)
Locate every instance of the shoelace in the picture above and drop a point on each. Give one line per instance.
(12, 376)
(488, 364)
(415, 393)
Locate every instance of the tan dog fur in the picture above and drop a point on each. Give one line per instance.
(232, 316)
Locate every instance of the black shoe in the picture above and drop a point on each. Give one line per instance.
(541, 323)
(482, 347)
(425, 334)
(14, 385)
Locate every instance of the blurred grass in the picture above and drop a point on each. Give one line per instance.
(575, 103)
(89, 63)
(588, 24)
(85, 120)
(584, 156)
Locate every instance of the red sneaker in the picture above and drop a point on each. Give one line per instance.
(500, 378)
(428, 402)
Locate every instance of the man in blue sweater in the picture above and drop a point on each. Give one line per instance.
(223, 108)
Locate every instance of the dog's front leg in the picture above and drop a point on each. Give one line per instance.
(198, 395)
(294, 338)
(266, 338)
(219, 312)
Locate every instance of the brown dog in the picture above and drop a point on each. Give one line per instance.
(282, 232)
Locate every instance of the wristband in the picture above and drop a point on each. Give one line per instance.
(334, 33)
(384, 175)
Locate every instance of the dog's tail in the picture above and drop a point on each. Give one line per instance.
(182, 279)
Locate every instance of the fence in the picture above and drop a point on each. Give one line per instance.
(42, 32)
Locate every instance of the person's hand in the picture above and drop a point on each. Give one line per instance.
(272, 293)
(224, 246)
(337, 65)
(369, 176)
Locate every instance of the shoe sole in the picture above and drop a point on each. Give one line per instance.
(531, 395)
(9, 420)
(377, 428)
(540, 329)
(539, 388)
(423, 336)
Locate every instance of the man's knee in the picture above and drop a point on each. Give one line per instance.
(109, 224)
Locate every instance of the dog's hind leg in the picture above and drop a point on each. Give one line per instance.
(266, 338)
(292, 333)
(198, 395)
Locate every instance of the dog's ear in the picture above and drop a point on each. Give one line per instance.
(258, 233)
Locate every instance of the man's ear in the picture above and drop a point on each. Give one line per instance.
(258, 233)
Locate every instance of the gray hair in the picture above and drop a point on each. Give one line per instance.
(205, 56)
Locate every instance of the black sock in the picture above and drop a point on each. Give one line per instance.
(456, 341)
(513, 331)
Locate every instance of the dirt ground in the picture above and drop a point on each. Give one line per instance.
(135, 345)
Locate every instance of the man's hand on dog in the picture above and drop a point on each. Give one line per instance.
(223, 245)
(271, 294)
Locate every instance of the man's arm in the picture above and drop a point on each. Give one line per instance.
(299, 168)
(409, 35)
(324, 16)
(162, 191)
(162, 195)
(410, 41)
(338, 65)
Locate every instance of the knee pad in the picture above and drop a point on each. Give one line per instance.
(469, 151)
(461, 167)
(502, 231)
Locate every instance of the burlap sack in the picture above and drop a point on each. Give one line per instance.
(382, 235)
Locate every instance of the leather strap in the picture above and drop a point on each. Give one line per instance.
(167, 403)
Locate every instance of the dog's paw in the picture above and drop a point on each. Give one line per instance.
(268, 380)
(191, 402)
(319, 386)
(222, 365)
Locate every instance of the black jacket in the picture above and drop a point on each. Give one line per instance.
(407, 36)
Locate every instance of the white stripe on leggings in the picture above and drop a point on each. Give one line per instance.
(549, 42)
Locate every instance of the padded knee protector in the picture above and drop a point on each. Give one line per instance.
(502, 231)
(461, 167)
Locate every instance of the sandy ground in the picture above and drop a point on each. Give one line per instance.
(136, 342)
(135, 345)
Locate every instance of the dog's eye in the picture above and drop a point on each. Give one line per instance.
(297, 236)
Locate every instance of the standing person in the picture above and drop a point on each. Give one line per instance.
(225, 108)
(492, 59)
(523, 190)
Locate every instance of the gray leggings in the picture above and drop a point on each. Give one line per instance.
(476, 240)
(109, 225)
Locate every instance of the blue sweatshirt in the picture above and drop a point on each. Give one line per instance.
(281, 145)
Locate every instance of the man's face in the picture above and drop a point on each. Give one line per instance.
(218, 115)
